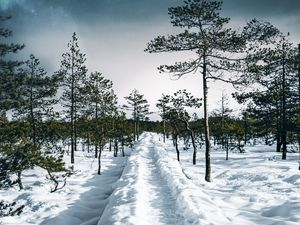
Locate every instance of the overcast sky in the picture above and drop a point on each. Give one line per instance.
(114, 33)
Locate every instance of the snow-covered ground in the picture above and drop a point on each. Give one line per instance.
(255, 187)
(152, 187)
(81, 201)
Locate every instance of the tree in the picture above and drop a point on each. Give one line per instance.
(73, 73)
(100, 101)
(162, 105)
(10, 77)
(26, 92)
(37, 96)
(175, 112)
(139, 107)
(121, 132)
(10, 91)
(279, 61)
(224, 114)
(274, 97)
(217, 48)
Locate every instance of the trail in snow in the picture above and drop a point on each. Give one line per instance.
(155, 201)
(142, 195)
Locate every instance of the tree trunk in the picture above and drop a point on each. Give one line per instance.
(164, 125)
(278, 128)
(175, 140)
(116, 148)
(75, 130)
(99, 160)
(227, 150)
(176, 147)
(97, 132)
(222, 121)
(123, 152)
(32, 120)
(72, 118)
(135, 130)
(19, 180)
(299, 97)
(110, 144)
(195, 148)
(284, 119)
(193, 141)
(206, 125)
(138, 130)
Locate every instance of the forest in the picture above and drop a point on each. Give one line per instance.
(51, 122)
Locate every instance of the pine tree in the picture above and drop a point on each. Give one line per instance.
(140, 109)
(217, 47)
(222, 125)
(274, 98)
(175, 112)
(10, 95)
(10, 78)
(100, 101)
(162, 105)
(73, 73)
(38, 95)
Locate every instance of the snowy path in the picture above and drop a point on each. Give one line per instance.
(155, 201)
(143, 195)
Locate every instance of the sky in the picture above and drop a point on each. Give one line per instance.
(114, 33)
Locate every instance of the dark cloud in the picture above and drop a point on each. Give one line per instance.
(262, 8)
(91, 12)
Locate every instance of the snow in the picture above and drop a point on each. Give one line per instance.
(143, 195)
(255, 187)
(151, 187)
(81, 201)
